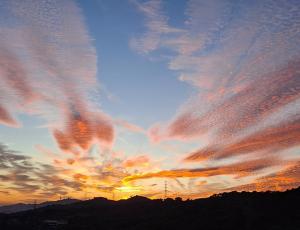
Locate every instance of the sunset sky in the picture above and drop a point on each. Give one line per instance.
(114, 98)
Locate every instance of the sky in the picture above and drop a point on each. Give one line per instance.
(118, 98)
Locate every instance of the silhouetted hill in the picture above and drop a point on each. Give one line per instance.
(234, 210)
(24, 207)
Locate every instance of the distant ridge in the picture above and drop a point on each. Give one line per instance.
(24, 207)
(226, 211)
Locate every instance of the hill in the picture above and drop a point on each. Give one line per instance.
(24, 207)
(233, 210)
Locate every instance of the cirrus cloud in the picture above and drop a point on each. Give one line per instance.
(48, 68)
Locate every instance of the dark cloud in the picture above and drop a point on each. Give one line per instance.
(22, 174)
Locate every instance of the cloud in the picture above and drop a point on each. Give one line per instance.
(231, 86)
(49, 69)
(272, 139)
(157, 26)
(137, 161)
(80, 177)
(21, 174)
(82, 129)
(6, 118)
(245, 109)
(129, 126)
(240, 169)
(284, 179)
(243, 61)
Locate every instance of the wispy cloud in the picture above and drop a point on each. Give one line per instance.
(243, 60)
(6, 118)
(239, 169)
(48, 68)
(157, 26)
(272, 139)
(286, 178)
(137, 161)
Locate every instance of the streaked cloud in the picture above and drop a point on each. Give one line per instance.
(272, 139)
(243, 61)
(239, 169)
(238, 130)
(6, 118)
(282, 180)
(137, 161)
(156, 22)
(48, 68)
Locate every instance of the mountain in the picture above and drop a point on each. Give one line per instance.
(226, 211)
(24, 207)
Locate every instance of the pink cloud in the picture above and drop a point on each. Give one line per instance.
(82, 129)
(246, 76)
(49, 70)
(6, 118)
(137, 161)
(129, 126)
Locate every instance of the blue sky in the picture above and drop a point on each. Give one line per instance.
(124, 73)
(118, 96)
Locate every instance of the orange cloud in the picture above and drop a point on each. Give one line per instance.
(105, 131)
(80, 176)
(274, 139)
(188, 125)
(284, 179)
(82, 129)
(70, 161)
(63, 141)
(239, 169)
(138, 161)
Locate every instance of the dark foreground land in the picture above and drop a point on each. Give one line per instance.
(251, 211)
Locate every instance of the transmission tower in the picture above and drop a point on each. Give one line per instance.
(34, 205)
(166, 189)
